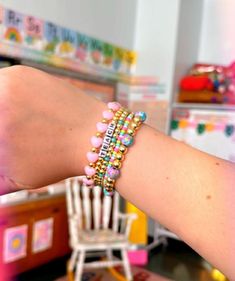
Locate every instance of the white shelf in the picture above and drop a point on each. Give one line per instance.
(203, 106)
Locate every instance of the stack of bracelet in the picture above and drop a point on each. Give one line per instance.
(115, 134)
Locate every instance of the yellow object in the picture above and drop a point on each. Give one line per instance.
(116, 274)
(210, 127)
(66, 47)
(70, 273)
(16, 243)
(217, 275)
(130, 57)
(183, 124)
(138, 233)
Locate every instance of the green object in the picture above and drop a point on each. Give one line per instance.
(107, 50)
(229, 130)
(201, 128)
(174, 124)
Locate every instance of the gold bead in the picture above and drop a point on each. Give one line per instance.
(130, 132)
(123, 149)
(115, 118)
(119, 156)
(108, 188)
(137, 119)
(98, 134)
(119, 126)
(110, 180)
(103, 167)
(105, 121)
(92, 165)
(117, 164)
(89, 177)
(101, 171)
(94, 149)
(134, 125)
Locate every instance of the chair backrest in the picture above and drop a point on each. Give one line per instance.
(89, 207)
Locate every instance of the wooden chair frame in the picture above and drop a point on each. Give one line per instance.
(83, 204)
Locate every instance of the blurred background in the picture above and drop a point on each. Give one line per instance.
(173, 59)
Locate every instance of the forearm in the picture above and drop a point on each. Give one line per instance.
(188, 191)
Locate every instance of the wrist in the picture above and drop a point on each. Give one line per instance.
(86, 113)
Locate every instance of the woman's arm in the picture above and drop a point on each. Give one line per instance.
(188, 191)
(45, 130)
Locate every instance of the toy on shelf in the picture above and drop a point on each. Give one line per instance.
(207, 83)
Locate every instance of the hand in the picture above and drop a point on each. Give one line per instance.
(44, 129)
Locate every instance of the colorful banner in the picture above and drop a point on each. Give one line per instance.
(49, 39)
(15, 243)
(211, 131)
(42, 235)
(202, 127)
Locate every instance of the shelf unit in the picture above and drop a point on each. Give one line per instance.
(202, 106)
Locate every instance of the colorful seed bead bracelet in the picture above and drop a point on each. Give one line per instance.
(125, 140)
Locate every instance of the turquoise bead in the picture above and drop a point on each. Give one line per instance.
(108, 193)
(127, 140)
(142, 115)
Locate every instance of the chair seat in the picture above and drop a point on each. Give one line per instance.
(101, 236)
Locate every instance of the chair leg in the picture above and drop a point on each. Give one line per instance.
(109, 254)
(72, 261)
(79, 269)
(126, 265)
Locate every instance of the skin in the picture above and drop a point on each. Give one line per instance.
(45, 128)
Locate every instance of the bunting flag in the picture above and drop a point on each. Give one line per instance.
(203, 127)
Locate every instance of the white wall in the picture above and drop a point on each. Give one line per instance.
(188, 39)
(108, 20)
(217, 44)
(156, 34)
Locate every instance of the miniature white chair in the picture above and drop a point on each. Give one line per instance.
(95, 224)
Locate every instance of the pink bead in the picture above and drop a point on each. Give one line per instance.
(108, 114)
(96, 142)
(88, 182)
(92, 157)
(89, 171)
(114, 106)
(101, 127)
(113, 173)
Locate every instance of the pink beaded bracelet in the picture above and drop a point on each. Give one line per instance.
(97, 141)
